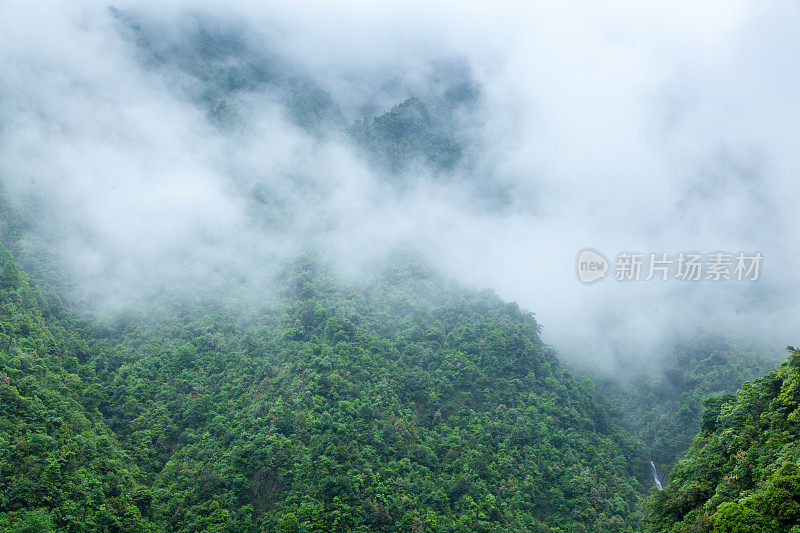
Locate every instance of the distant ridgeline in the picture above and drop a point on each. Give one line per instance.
(227, 66)
(409, 131)
(742, 473)
(404, 404)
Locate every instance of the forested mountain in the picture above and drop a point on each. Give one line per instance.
(242, 247)
(394, 403)
(742, 473)
(406, 403)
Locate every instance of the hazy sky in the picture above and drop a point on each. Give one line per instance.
(627, 126)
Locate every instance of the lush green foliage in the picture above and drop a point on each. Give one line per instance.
(742, 473)
(400, 403)
(404, 404)
(61, 468)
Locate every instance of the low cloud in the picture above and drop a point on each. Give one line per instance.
(151, 148)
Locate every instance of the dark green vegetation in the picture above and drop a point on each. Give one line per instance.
(404, 404)
(664, 407)
(401, 403)
(742, 473)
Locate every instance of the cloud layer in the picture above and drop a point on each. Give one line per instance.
(150, 147)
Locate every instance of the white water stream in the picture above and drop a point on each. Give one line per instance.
(655, 476)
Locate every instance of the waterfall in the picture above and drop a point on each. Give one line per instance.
(655, 476)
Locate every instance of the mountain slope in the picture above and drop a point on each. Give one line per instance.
(405, 403)
(742, 473)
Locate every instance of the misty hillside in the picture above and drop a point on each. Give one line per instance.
(392, 267)
(405, 403)
(664, 408)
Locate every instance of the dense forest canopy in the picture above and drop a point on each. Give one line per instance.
(407, 402)
(403, 402)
